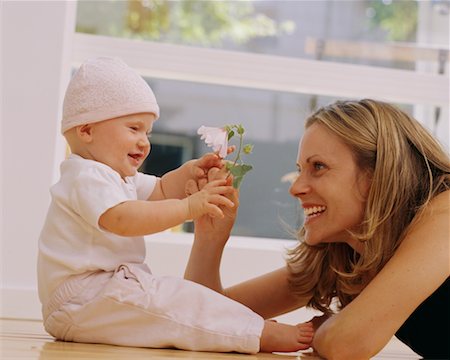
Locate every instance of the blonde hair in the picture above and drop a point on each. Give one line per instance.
(407, 167)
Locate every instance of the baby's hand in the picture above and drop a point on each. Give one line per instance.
(286, 338)
(209, 199)
(200, 167)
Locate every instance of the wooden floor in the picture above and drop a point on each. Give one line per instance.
(24, 339)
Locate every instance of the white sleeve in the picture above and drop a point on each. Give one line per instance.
(145, 184)
(96, 190)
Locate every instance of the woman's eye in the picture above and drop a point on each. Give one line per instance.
(319, 166)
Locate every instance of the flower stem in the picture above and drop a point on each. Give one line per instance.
(238, 156)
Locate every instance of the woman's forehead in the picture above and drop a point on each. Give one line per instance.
(320, 141)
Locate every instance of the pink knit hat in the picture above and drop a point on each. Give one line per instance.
(104, 88)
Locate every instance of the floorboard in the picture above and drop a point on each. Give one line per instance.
(27, 339)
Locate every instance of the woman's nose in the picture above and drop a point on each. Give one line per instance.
(300, 186)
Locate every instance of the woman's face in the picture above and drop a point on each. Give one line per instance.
(331, 188)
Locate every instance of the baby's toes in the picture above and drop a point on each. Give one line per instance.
(303, 346)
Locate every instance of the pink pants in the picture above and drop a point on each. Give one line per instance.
(131, 307)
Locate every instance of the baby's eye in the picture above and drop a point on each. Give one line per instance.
(134, 128)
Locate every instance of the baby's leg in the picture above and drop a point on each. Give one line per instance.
(136, 308)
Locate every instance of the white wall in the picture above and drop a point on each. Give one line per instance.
(36, 56)
(36, 41)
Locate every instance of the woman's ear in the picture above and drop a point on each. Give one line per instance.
(84, 132)
(364, 183)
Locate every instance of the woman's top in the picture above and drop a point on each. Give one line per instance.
(427, 330)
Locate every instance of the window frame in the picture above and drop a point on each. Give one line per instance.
(267, 72)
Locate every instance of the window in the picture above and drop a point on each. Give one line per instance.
(270, 83)
(396, 34)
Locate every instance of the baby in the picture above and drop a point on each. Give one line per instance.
(93, 283)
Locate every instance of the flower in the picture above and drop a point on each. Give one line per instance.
(214, 137)
(218, 138)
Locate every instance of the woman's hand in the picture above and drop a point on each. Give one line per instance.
(219, 228)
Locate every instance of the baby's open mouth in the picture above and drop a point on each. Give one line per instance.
(135, 156)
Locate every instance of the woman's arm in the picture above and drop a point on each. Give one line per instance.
(419, 266)
(268, 295)
(210, 238)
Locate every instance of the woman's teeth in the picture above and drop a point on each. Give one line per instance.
(314, 210)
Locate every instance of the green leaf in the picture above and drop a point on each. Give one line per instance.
(238, 172)
(237, 182)
(230, 134)
(228, 165)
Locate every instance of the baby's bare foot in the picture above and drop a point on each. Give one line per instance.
(286, 338)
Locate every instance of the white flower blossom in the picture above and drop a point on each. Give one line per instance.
(214, 137)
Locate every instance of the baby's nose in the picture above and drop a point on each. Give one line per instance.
(144, 142)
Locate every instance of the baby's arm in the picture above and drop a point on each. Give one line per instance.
(172, 184)
(286, 338)
(142, 217)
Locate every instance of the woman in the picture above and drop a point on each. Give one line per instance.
(374, 187)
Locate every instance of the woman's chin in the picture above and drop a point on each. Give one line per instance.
(311, 240)
(314, 239)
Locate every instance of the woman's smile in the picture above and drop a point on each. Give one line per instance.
(313, 212)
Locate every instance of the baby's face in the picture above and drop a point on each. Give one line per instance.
(122, 143)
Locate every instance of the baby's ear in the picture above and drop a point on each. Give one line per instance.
(84, 132)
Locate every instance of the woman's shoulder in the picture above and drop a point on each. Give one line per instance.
(431, 223)
(440, 204)
(442, 199)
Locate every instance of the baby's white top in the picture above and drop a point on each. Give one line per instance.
(71, 241)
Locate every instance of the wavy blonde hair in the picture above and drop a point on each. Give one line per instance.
(407, 167)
